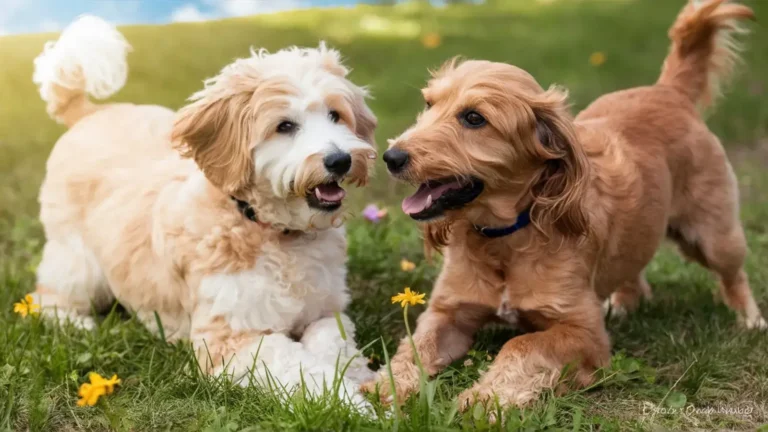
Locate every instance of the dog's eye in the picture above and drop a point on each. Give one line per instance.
(334, 116)
(472, 119)
(286, 127)
(428, 104)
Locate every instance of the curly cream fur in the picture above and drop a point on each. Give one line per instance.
(137, 207)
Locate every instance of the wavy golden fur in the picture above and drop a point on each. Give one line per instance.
(547, 152)
(634, 167)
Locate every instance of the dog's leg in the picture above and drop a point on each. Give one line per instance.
(444, 332)
(442, 336)
(723, 249)
(268, 359)
(70, 282)
(734, 287)
(708, 231)
(532, 362)
(323, 339)
(506, 312)
(628, 296)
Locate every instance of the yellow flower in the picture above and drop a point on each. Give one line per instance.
(26, 306)
(597, 58)
(90, 392)
(406, 265)
(431, 40)
(407, 297)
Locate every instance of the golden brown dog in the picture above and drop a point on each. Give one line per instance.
(601, 192)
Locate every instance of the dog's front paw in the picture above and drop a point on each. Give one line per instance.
(360, 373)
(508, 313)
(477, 394)
(511, 381)
(486, 396)
(492, 397)
(405, 384)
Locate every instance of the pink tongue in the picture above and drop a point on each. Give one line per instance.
(330, 192)
(419, 201)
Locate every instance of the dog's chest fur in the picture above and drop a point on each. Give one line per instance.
(293, 283)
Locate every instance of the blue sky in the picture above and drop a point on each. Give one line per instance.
(29, 16)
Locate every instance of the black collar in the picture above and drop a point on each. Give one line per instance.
(523, 219)
(246, 209)
(249, 212)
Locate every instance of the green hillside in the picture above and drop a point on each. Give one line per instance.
(682, 349)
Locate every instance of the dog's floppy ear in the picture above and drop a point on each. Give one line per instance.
(365, 120)
(561, 186)
(215, 132)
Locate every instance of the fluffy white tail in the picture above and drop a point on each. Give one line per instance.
(88, 59)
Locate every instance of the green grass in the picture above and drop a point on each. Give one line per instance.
(681, 349)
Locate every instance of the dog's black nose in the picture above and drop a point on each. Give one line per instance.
(396, 160)
(338, 162)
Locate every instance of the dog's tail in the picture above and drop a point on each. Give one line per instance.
(704, 52)
(88, 59)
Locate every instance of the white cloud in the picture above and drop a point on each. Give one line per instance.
(253, 7)
(188, 13)
(8, 12)
(233, 8)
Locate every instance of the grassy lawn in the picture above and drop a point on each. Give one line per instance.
(683, 351)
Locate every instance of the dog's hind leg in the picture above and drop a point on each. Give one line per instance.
(70, 282)
(707, 230)
(722, 249)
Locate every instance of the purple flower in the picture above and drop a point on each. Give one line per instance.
(373, 213)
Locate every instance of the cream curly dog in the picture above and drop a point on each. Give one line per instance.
(224, 218)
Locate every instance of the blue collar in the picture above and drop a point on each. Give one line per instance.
(523, 219)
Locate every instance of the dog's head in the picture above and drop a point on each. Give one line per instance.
(491, 142)
(283, 131)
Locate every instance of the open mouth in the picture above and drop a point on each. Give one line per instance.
(434, 197)
(326, 197)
